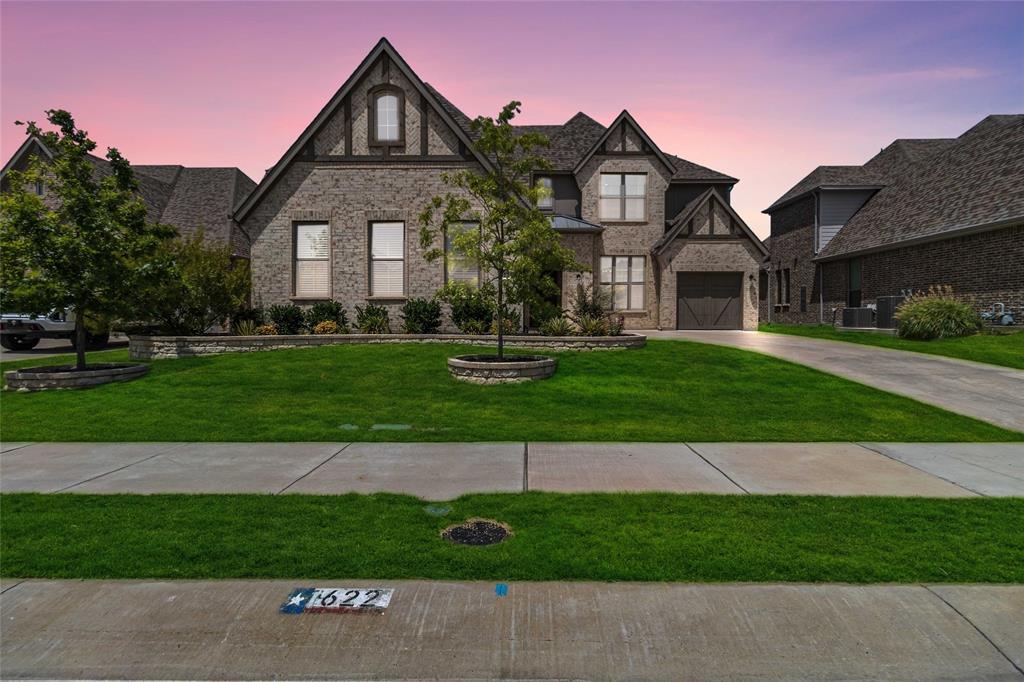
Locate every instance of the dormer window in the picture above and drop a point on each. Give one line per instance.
(546, 202)
(387, 115)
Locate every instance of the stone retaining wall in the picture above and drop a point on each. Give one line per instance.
(44, 378)
(160, 347)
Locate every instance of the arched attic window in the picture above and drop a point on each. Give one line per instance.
(387, 115)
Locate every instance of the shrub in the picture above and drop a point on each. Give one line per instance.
(205, 286)
(936, 314)
(510, 321)
(616, 323)
(472, 307)
(373, 319)
(421, 316)
(245, 328)
(557, 326)
(327, 327)
(588, 302)
(327, 311)
(287, 318)
(266, 330)
(592, 326)
(254, 315)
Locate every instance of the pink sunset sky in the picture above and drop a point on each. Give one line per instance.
(762, 91)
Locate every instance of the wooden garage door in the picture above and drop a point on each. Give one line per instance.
(709, 300)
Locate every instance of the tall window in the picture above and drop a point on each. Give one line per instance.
(387, 259)
(623, 196)
(387, 118)
(622, 278)
(39, 187)
(853, 296)
(312, 260)
(459, 267)
(785, 285)
(546, 202)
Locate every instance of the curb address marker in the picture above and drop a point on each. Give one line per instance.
(337, 600)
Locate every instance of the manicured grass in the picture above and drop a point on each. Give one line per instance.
(995, 349)
(669, 391)
(645, 537)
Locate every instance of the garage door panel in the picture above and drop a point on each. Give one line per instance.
(709, 300)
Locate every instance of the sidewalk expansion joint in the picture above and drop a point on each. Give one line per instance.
(710, 464)
(16, 449)
(526, 466)
(114, 471)
(313, 469)
(976, 628)
(928, 473)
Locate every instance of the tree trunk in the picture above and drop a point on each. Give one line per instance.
(501, 309)
(79, 340)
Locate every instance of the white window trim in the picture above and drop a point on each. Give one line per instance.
(479, 274)
(369, 251)
(296, 294)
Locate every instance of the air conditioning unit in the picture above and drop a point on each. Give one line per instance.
(887, 306)
(858, 317)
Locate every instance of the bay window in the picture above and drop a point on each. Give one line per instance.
(387, 260)
(312, 260)
(623, 197)
(622, 280)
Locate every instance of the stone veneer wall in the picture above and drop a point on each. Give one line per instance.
(161, 347)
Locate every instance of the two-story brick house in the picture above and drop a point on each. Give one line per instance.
(336, 217)
(921, 212)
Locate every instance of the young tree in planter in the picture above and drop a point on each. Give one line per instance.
(515, 244)
(86, 251)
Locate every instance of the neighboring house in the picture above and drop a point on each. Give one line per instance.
(919, 213)
(185, 198)
(337, 216)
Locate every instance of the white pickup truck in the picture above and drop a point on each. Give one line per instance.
(22, 332)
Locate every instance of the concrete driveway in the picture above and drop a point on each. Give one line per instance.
(50, 347)
(987, 392)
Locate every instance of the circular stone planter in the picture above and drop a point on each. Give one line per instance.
(487, 369)
(66, 376)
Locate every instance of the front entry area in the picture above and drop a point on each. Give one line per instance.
(709, 300)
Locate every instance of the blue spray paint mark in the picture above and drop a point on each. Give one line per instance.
(297, 600)
(501, 589)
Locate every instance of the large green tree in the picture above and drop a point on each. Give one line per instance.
(88, 246)
(515, 245)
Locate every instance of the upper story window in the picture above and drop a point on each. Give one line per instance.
(39, 187)
(312, 260)
(387, 115)
(546, 202)
(623, 197)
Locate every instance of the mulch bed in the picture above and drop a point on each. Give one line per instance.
(477, 532)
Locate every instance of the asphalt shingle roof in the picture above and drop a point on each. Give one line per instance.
(974, 180)
(571, 141)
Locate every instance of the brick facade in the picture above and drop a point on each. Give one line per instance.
(792, 249)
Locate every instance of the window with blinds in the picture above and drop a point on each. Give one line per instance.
(458, 266)
(387, 259)
(312, 260)
(623, 197)
(622, 279)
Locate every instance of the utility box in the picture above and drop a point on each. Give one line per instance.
(858, 317)
(887, 306)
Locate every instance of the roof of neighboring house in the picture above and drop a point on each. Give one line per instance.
(973, 182)
(576, 139)
(831, 176)
(185, 198)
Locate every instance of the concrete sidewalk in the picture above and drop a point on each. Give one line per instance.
(988, 392)
(464, 630)
(438, 471)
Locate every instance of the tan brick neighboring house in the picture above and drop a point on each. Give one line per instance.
(336, 217)
(919, 213)
(185, 198)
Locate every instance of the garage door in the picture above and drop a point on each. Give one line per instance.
(709, 300)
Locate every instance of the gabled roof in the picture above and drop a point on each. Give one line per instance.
(31, 143)
(383, 47)
(678, 224)
(621, 119)
(975, 182)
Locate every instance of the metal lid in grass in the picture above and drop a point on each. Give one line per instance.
(477, 532)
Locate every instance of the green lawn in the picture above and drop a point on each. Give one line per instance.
(645, 537)
(669, 391)
(995, 349)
